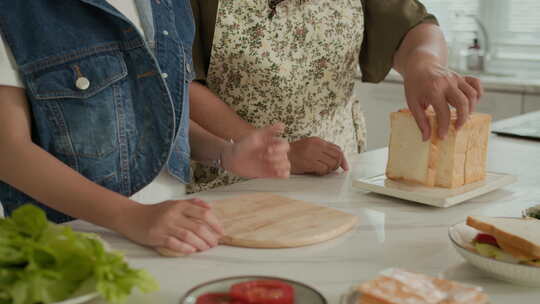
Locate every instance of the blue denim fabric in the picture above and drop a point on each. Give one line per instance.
(131, 121)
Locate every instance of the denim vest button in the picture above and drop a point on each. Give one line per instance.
(164, 75)
(188, 68)
(82, 83)
(165, 33)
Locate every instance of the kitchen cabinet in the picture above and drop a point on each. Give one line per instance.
(378, 100)
(531, 103)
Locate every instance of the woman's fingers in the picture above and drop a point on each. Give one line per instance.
(343, 159)
(330, 158)
(419, 114)
(321, 168)
(471, 94)
(442, 111)
(476, 84)
(460, 102)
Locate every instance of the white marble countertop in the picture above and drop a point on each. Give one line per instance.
(494, 82)
(391, 233)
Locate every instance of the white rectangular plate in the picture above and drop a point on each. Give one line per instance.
(438, 197)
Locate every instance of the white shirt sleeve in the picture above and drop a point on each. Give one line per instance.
(9, 73)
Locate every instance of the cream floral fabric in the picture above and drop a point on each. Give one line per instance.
(296, 67)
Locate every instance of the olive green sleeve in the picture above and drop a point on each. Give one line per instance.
(204, 13)
(385, 25)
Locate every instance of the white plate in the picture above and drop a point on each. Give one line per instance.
(303, 294)
(436, 196)
(461, 236)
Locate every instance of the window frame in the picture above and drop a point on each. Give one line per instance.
(507, 53)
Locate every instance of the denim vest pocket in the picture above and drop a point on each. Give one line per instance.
(77, 101)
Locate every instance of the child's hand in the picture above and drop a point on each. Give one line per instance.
(185, 226)
(259, 154)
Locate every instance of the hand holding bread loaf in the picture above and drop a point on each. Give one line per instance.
(430, 83)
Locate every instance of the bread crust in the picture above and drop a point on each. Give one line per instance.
(476, 156)
(515, 252)
(433, 153)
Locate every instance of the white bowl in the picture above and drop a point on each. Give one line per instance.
(461, 236)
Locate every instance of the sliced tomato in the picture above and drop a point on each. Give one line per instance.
(217, 298)
(263, 292)
(486, 239)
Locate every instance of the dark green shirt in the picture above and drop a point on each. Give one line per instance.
(386, 23)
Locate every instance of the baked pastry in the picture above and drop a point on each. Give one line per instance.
(397, 286)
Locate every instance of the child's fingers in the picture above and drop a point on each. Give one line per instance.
(170, 253)
(270, 132)
(206, 216)
(283, 171)
(278, 149)
(203, 231)
(276, 129)
(173, 246)
(191, 238)
(276, 158)
(200, 202)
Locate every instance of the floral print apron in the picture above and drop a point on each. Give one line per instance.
(295, 64)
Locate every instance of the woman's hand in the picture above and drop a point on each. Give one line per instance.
(314, 155)
(181, 226)
(259, 154)
(430, 83)
(421, 60)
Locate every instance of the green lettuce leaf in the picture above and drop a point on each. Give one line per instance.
(41, 262)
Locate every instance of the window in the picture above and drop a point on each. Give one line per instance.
(513, 28)
(452, 16)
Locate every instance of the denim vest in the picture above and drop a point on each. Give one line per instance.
(105, 101)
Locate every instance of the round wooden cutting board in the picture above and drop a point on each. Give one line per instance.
(264, 220)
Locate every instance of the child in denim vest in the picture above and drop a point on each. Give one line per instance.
(91, 112)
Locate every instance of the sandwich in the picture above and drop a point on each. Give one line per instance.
(397, 286)
(515, 240)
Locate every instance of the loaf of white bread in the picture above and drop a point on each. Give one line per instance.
(398, 286)
(457, 160)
